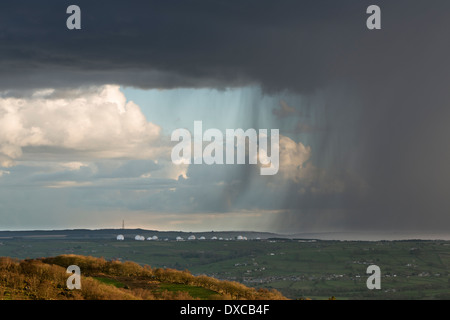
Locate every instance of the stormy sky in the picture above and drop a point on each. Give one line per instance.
(86, 115)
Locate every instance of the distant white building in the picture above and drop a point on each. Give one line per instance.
(214, 238)
(120, 237)
(239, 238)
(154, 238)
(149, 238)
(202, 238)
(191, 237)
(139, 238)
(180, 239)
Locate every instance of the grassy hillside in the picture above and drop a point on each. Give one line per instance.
(45, 278)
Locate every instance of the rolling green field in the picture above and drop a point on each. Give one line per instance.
(318, 270)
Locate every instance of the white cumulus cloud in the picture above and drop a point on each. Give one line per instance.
(79, 125)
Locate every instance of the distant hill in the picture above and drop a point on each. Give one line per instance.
(130, 234)
(45, 279)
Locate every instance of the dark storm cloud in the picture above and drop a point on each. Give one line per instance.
(387, 111)
(280, 44)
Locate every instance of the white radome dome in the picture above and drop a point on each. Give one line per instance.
(120, 237)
